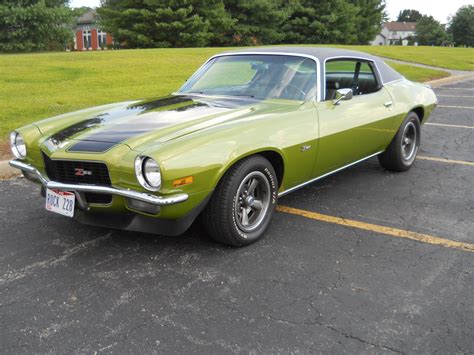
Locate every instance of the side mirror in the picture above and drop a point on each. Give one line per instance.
(343, 95)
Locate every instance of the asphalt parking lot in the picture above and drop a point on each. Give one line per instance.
(399, 280)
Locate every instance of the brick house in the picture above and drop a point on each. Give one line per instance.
(88, 36)
(395, 33)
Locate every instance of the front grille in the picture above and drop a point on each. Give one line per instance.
(77, 172)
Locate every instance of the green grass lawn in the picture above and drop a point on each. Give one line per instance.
(443, 57)
(417, 73)
(35, 86)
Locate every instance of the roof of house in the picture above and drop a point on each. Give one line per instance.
(401, 26)
(88, 17)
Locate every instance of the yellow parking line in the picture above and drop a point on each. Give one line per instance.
(449, 161)
(463, 107)
(439, 95)
(443, 88)
(393, 232)
(448, 125)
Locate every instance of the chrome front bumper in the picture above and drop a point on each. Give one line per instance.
(140, 196)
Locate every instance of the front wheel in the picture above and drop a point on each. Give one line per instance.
(401, 153)
(243, 203)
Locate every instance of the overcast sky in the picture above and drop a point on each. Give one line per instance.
(439, 9)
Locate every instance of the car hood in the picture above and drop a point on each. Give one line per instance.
(137, 123)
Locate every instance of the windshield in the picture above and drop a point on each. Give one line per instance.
(256, 76)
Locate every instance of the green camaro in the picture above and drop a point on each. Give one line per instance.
(246, 128)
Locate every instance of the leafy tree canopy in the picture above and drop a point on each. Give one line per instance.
(462, 26)
(369, 18)
(408, 15)
(256, 21)
(156, 23)
(184, 23)
(321, 21)
(79, 11)
(430, 32)
(32, 25)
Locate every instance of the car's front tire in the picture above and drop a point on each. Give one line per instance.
(401, 153)
(243, 203)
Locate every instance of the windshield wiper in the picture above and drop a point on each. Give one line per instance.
(218, 93)
(243, 95)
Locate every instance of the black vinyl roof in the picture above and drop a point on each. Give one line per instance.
(325, 53)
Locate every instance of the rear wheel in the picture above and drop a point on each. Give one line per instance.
(243, 203)
(401, 153)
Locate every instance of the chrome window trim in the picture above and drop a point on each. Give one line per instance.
(378, 76)
(394, 81)
(285, 192)
(315, 59)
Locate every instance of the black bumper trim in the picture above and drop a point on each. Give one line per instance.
(140, 223)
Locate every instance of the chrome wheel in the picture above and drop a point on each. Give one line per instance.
(409, 141)
(252, 201)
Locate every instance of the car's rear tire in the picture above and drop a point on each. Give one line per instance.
(243, 202)
(401, 152)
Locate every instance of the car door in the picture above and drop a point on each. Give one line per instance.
(354, 129)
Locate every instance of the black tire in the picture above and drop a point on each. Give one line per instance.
(221, 216)
(400, 155)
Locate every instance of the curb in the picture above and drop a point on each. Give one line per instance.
(7, 172)
(449, 80)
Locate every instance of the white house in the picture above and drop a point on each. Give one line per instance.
(395, 33)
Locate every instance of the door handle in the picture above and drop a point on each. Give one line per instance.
(388, 103)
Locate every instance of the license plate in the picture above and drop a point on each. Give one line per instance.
(61, 202)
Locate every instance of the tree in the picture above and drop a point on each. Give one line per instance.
(409, 16)
(429, 32)
(79, 11)
(256, 21)
(34, 25)
(156, 23)
(321, 21)
(462, 26)
(370, 16)
(184, 23)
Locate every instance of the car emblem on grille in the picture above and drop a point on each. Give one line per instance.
(82, 172)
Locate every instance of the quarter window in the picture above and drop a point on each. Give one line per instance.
(350, 74)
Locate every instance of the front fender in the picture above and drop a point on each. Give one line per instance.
(207, 160)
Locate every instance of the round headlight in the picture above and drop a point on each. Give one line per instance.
(17, 145)
(148, 173)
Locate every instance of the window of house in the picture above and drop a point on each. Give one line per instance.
(102, 38)
(86, 37)
(352, 74)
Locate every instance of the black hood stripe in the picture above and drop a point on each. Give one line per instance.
(102, 132)
(102, 141)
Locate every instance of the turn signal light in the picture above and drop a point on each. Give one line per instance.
(183, 181)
